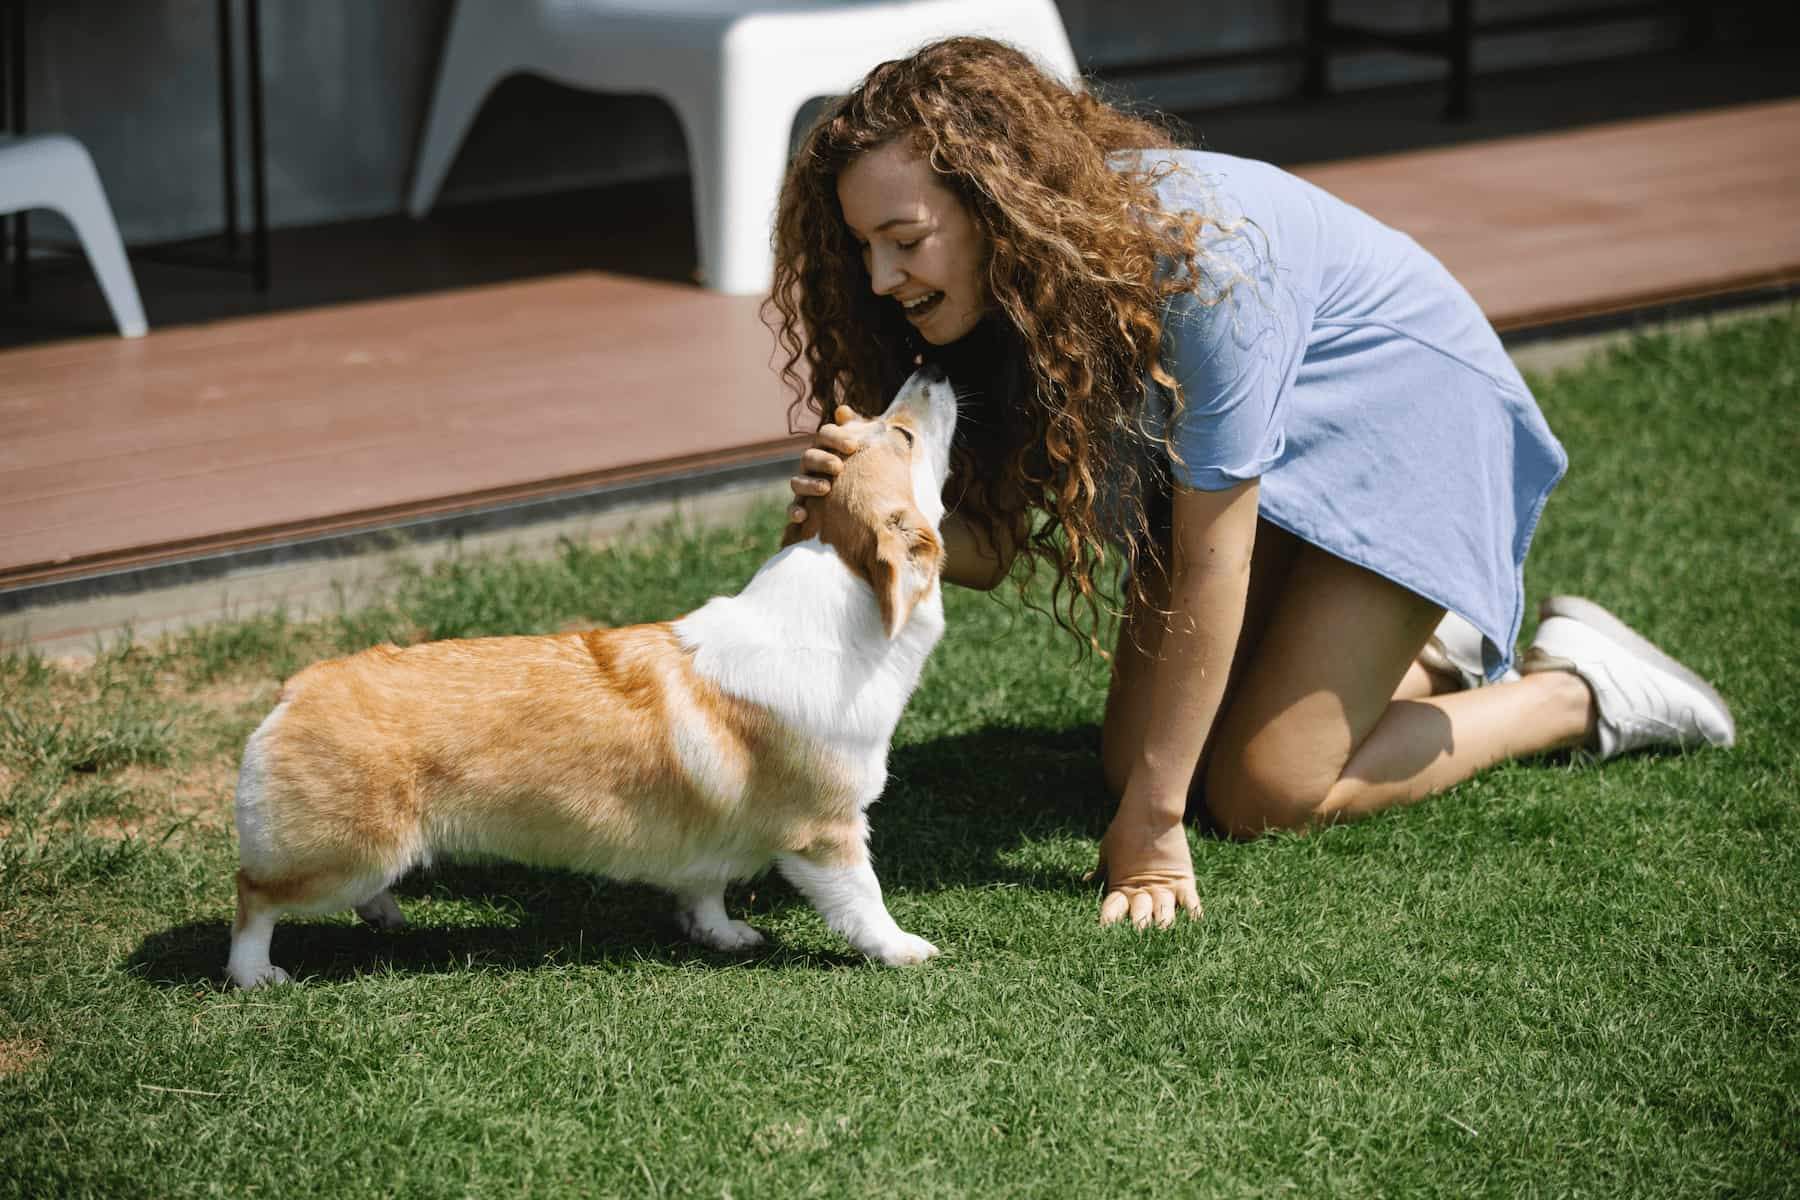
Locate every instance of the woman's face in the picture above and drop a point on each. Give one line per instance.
(922, 247)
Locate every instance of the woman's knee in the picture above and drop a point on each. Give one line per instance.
(1250, 793)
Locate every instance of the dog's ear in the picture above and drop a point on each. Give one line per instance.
(908, 559)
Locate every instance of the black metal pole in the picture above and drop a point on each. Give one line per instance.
(6, 75)
(1316, 38)
(259, 175)
(1460, 105)
(21, 229)
(228, 127)
(1697, 26)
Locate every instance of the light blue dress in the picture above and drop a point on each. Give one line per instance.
(1337, 360)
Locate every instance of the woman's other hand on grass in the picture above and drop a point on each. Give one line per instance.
(1149, 873)
(823, 461)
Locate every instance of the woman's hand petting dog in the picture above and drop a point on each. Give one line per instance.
(823, 461)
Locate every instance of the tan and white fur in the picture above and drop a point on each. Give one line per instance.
(685, 754)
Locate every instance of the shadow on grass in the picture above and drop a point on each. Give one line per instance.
(567, 919)
(952, 809)
(954, 806)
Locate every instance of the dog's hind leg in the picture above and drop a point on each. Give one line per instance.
(249, 965)
(701, 914)
(843, 887)
(261, 902)
(381, 912)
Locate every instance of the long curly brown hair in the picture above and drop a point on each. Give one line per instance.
(1082, 261)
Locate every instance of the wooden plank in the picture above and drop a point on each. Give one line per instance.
(410, 406)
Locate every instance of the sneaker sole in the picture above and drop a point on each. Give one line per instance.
(1575, 608)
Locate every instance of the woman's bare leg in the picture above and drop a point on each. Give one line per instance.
(1548, 711)
(1327, 721)
(1418, 683)
(1127, 699)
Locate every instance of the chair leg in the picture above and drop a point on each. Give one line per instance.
(92, 218)
(477, 55)
(738, 142)
(757, 140)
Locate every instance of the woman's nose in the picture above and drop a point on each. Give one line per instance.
(885, 275)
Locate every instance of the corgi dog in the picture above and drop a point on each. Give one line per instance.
(684, 754)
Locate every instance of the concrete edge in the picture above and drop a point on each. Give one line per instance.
(1579, 344)
(316, 577)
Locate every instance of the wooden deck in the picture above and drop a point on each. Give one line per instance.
(209, 438)
(202, 439)
(1550, 228)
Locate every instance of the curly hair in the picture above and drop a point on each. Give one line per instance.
(1082, 261)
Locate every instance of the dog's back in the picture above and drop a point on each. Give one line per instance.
(600, 751)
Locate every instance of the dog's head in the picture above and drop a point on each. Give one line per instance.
(883, 512)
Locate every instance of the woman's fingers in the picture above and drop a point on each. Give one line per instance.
(1189, 896)
(823, 461)
(803, 486)
(1141, 905)
(819, 467)
(842, 440)
(1153, 905)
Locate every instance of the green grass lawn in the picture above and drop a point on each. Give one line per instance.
(1557, 979)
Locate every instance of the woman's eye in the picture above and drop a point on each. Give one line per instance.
(907, 245)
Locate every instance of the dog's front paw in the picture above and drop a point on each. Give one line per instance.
(904, 950)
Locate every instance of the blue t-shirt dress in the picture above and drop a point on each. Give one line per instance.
(1337, 360)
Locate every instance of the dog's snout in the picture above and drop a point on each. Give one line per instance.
(930, 399)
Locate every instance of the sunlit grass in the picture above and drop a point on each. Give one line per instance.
(1557, 979)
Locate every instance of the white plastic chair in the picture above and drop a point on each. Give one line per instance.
(53, 170)
(736, 72)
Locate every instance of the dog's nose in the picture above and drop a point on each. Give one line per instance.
(933, 372)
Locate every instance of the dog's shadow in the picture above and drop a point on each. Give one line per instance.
(955, 806)
(952, 810)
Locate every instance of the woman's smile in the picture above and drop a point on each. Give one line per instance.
(921, 245)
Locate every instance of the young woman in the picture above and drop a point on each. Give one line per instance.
(1296, 429)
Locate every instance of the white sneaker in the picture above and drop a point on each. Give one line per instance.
(1454, 651)
(1644, 697)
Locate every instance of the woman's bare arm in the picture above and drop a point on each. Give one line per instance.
(972, 559)
(1149, 873)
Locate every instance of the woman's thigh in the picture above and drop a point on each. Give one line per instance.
(1338, 642)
